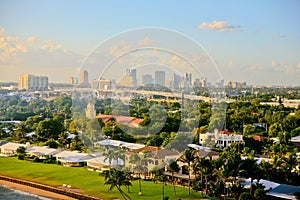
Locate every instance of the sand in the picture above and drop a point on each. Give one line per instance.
(24, 188)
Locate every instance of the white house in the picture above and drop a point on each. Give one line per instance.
(10, 148)
(102, 163)
(42, 152)
(72, 158)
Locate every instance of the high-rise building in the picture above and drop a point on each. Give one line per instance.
(129, 80)
(84, 78)
(72, 80)
(90, 112)
(176, 81)
(102, 84)
(160, 78)
(31, 82)
(147, 79)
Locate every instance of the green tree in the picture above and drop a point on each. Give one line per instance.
(20, 131)
(21, 152)
(173, 167)
(117, 178)
(63, 139)
(188, 157)
(49, 129)
(161, 177)
(245, 196)
(260, 194)
(110, 155)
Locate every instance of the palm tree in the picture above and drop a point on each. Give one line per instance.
(138, 160)
(117, 178)
(250, 170)
(160, 176)
(63, 139)
(173, 167)
(120, 153)
(188, 157)
(110, 155)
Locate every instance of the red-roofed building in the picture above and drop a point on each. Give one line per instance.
(131, 122)
(258, 137)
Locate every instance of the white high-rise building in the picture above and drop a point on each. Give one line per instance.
(31, 82)
(90, 112)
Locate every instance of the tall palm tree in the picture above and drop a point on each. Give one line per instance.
(173, 167)
(63, 139)
(117, 178)
(188, 157)
(250, 170)
(109, 155)
(140, 167)
(160, 176)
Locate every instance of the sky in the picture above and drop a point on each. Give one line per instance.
(254, 41)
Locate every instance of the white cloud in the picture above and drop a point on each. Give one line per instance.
(31, 39)
(146, 42)
(119, 49)
(219, 26)
(29, 55)
(10, 45)
(50, 46)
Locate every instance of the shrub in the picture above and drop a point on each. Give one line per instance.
(21, 156)
(260, 194)
(245, 196)
(36, 159)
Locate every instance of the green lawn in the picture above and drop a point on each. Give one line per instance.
(90, 182)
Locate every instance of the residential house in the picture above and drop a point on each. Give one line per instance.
(118, 144)
(155, 157)
(102, 163)
(10, 148)
(131, 122)
(73, 158)
(42, 152)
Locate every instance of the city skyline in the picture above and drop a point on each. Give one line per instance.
(256, 42)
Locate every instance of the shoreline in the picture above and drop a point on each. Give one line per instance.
(45, 190)
(36, 191)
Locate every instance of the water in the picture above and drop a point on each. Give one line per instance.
(10, 194)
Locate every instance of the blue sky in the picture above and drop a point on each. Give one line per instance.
(256, 41)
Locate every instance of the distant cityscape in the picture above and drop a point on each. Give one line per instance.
(30, 82)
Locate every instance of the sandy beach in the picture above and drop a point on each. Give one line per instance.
(36, 191)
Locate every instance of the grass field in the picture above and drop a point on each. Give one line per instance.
(90, 182)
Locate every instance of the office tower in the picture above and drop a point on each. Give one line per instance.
(72, 80)
(129, 80)
(160, 77)
(31, 82)
(102, 84)
(84, 78)
(133, 74)
(147, 79)
(176, 81)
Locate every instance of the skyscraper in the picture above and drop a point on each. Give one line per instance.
(84, 78)
(160, 78)
(31, 82)
(147, 79)
(129, 80)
